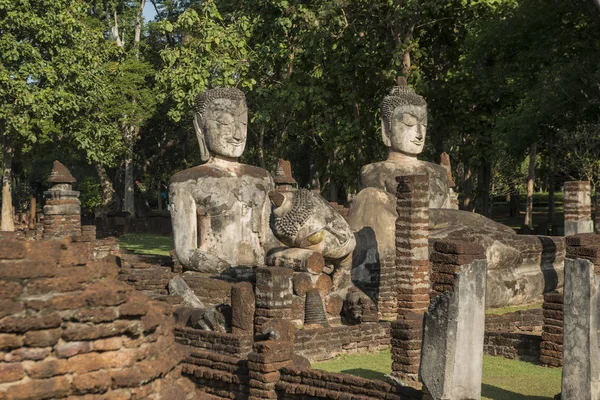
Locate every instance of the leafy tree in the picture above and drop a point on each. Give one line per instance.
(52, 82)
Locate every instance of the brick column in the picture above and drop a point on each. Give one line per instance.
(273, 295)
(454, 326)
(581, 341)
(578, 208)
(552, 330)
(268, 357)
(412, 276)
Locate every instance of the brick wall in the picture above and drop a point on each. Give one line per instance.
(525, 321)
(68, 327)
(326, 343)
(520, 346)
(218, 375)
(299, 384)
(223, 343)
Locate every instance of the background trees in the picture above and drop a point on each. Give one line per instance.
(105, 87)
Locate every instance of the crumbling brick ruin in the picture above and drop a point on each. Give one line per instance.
(78, 322)
(68, 327)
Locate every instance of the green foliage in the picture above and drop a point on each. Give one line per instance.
(91, 194)
(52, 77)
(211, 51)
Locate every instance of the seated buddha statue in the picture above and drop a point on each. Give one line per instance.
(220, 210)
(520, 267)
(403, 128)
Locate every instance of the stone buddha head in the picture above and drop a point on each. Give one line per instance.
(304, 219)
(220, 121)
(404, 120)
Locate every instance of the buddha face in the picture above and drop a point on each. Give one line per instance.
(405, 132)
(224, 127)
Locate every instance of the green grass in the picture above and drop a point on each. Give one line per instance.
(502, 379)
(145, 243)
(511, 309)
(370, 366)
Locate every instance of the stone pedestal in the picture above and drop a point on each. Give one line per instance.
(273, 295)
(62, 211)
(412, 276)
(454, 324)
(578, 208)
(581, 345)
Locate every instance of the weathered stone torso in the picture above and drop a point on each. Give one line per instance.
(230, 209)
(382, 175)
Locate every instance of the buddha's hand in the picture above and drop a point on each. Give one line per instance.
(201, 261)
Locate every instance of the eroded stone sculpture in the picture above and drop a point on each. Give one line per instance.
(520, 268)
(303, 219)
(220, 210)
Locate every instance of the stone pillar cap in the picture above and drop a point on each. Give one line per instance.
(60, 174)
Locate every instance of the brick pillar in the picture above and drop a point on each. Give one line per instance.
(578, 208)
(243, 305)
(581, 341)
(552, 330)
(412, 276)
(62, 212)
(273, 295)
(268, 357)
(454, 325)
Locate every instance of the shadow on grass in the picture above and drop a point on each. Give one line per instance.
(365, 373)
(496, 393)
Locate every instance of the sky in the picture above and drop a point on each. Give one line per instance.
(149, 12)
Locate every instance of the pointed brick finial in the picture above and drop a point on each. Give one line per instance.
(283, 173)
(60, 174)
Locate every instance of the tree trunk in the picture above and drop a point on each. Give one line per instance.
(334, 189)
(108, 192)
(530, 186)
(261, 147)
(359, 152)
(129, 190)
(138, 26)
(115, 29)
(32, 211)
(551, 183)
(484, 188)
(468, 189)
(8, 223)
(159, 195)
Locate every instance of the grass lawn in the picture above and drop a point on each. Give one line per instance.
(502, 379)
(145, 243)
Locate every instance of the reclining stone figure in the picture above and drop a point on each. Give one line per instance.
(220, 210)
